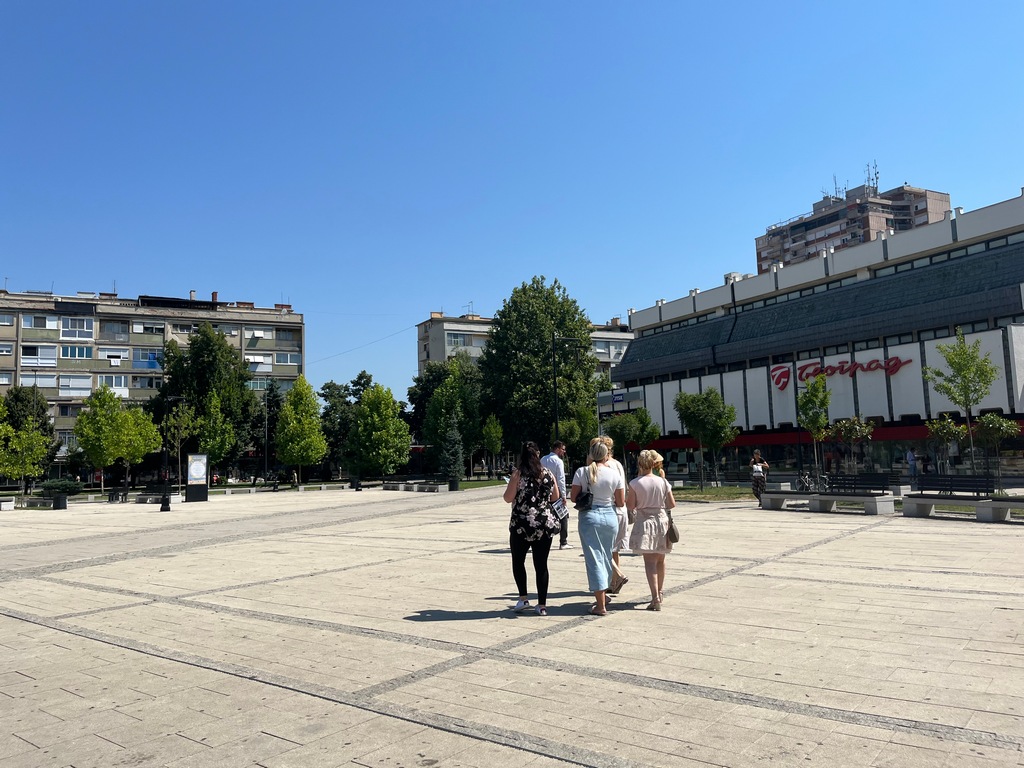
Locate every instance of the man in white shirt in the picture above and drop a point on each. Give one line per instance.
(554, 464)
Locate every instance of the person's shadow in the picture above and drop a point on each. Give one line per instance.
(562, 609)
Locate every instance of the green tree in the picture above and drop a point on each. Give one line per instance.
(517, 363)
(851, 432)
(179, 426)
(210, 364)
(944, 431)
(647, 430)
(108, 432)
(216, 433)
(708, 419)
(299, 438)
(29, 411)
(266, 424)
(968, 380)
(492, 437)
(379, 441)
(452, 462)
(623, 428)
(338, 415)
(576, 432)
(23, 449)
(97, 429)
(992, 429)
(812, 411)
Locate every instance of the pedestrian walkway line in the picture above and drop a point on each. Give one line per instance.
(367, 698)
(869, 584)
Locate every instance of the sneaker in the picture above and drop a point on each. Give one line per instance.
(566, 546)
(522, 605)
(541, 610)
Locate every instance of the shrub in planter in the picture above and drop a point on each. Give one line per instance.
(62, 486)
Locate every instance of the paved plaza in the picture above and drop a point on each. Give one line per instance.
(344, 628)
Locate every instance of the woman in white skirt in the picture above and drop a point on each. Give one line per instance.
(649, 496)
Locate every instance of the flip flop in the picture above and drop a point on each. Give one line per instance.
(595, 612)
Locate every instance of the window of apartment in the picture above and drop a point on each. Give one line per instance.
(75, 386)
(35, 379)
(114, 353)
(6, 350)
(259, 333)
(258, 383)
(260, 363)
(287, 334)
(6, 319)
(981, 325)
(185, 328)
(68, 438)
(1002, 322)
(902, 338)
(456, 339)
(227, 330)
(808, 354)
(111, 327)
(146, 382)
(146, 357)
(288, 358)
(39, 356)
(76, 327)
(837, 349)
(45, 322)
(148, 326)
(75, 352)
(5, 377)
(112, 380)
(69, 410)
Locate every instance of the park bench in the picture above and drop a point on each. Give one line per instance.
(870, 489)
(959, 490)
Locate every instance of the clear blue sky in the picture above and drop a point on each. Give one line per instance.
(369, 162)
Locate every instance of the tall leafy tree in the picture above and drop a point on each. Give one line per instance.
(623, 428)
(23, 448)
(992, 429)
(709, 419)
(216, 432)
(28, 411)
(179, 426)
(379, 441)
(967, 381)
(944, 431)
(492, 437)
(210, 364)
(576, 432)
(299, 439)
(452, 460)
(338, 414)
(108, 432)
(812, 411)
(458, 398)
(539, 327)
(851, 432)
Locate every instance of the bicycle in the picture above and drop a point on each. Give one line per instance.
(813, 483)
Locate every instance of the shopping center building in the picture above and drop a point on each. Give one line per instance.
(870, 317)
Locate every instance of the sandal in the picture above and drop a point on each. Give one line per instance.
(522, 605)
(542, 610)
(654, 605)
(595, 612)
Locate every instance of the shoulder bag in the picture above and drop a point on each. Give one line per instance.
(585, 498)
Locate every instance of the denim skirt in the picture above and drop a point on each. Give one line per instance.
(598, 527)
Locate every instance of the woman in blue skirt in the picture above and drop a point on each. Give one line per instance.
(599, 525)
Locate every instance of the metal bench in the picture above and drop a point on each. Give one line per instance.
(959, 490)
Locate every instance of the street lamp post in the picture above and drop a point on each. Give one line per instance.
(574, 344)
(165, 500)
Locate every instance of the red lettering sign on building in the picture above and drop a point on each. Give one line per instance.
(889, 366)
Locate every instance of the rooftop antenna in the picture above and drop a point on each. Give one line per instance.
(468, 308)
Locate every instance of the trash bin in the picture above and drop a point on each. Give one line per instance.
(60, 501)
(113, 497)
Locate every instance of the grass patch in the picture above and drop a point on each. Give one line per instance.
(713, 493)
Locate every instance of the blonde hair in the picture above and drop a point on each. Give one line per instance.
(648, 460)
(598, 453)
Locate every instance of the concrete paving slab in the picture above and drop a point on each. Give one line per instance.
(373, 629)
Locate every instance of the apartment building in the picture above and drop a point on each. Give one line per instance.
(841, 221)
(440, 337)
(69, 346)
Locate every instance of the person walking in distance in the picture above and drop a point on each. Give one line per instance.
(554, 463)
(758, 473)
